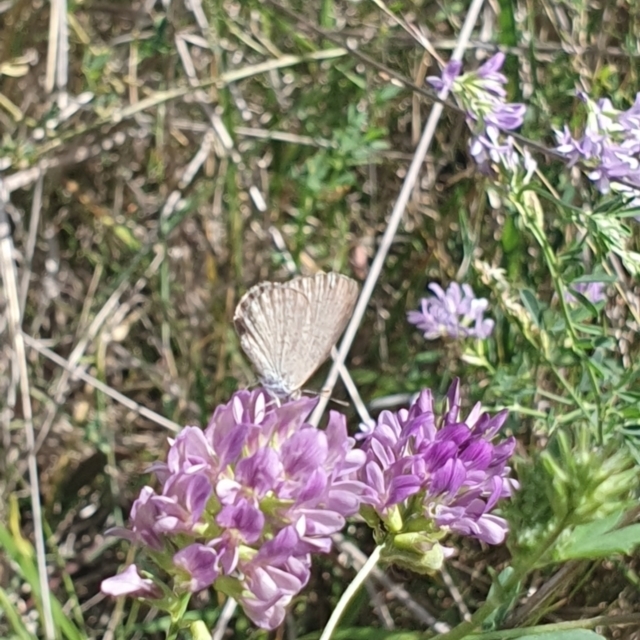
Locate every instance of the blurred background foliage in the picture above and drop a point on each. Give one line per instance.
(162, 158)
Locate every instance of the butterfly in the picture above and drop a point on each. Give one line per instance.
(287, 329)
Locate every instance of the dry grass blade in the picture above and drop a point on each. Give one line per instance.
(58, 51)
(75, 371)
(92, 331)
(13, 311)
(218, 126)
(34, 221)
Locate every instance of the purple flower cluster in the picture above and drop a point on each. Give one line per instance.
(454, 313)
(244, 503)
(609, 147)
(443, 470)
(483, 96)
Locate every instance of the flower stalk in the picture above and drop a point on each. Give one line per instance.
(350, 592)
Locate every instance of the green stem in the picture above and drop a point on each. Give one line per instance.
(585, 623)
(199, 631)
(351, 590)
(531, 220)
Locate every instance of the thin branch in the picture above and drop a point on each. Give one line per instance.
(34, 221)
(394, 221)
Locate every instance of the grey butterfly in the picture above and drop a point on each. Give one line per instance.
(287, 329)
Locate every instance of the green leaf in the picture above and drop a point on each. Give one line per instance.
(125, 234)
(570, 634)
(385, 94)
(530, 302)
(594, 277)
(585, 302)
(623, 540)
(599, 540)
(507, 599)
(13, 617)
(589, 329)
(597, 528)
(511, 239)
(368, 633)
(363, 376)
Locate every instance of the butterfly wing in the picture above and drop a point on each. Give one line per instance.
(287, 329)
(329, 299)
(260, 324)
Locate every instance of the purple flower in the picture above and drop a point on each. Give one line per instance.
(182, 503)
(273, 577)
(456, 313)
(449, 74)
(244, 503)
(491, 148)
(490, 78)
(199, 564)
(592, 291)
(574, 150)
(482, 94)
(129, 583)
(630, 119)
(609, 148)
(142, 519)
(243, 519)
(443, 471)
(506, 117)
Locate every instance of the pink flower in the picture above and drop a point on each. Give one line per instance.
(246, 501)
(129, 583)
